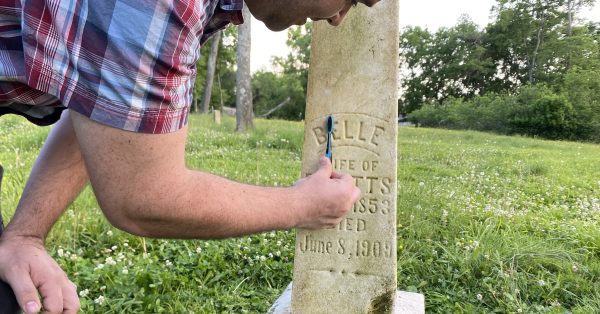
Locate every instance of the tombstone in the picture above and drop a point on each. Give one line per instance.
(353, 76)
(217, 116)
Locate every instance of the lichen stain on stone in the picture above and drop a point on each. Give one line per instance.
(383, 303)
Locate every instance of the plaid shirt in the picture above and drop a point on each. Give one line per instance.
(129, 64)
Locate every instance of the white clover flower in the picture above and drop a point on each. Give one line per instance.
(110, 261)
(168, 263)
(84, 293)
(100, 300)
(519, 310)
(126, 244)
(421, 184)
(277, 253)
(479, 297)
(263, 258)
(99, 266)
(109, 233)
(278, 243)
(270, 255)
(114, 248)
(574, 268)
(125, 271)
(541, 283)
(198, 250)
(73, 257)
(60, 252)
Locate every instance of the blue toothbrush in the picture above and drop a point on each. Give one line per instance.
(329, 130)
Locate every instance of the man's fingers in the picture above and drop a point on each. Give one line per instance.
(355, 195)
(342, 176)
(25, 291)
(325, 167)
(70, 299)
(52, 295)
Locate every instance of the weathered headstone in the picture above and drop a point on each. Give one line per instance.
(353, 76)
(217, 116)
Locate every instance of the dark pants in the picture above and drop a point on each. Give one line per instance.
(8, 303)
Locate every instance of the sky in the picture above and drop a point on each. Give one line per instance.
(266, 44)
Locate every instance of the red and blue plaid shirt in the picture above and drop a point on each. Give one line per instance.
(128, 64)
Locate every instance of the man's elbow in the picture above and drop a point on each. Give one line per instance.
(126, 217)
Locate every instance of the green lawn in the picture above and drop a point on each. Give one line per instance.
(486, 224)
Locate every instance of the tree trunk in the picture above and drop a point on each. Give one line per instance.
(243, 101)
(210, 71)
(283, 103)
(539, 39)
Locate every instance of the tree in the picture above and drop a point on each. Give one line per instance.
(210, 72)
(223, 91)
(449, 63)
(244, 115)
(533, 41)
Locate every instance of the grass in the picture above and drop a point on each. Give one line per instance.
(486, 224)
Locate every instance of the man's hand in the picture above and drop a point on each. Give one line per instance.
(27, 267)
(329, 196)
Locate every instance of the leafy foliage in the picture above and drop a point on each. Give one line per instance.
(290, 80)
(534, 60)
(450, 63)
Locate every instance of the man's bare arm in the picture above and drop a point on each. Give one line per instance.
(55, 180)
(144, 188)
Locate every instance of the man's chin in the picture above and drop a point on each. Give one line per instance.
(277, 26)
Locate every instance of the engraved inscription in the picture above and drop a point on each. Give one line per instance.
(361, 248)
(352, 224)
(351, 164)
(312, 245)
(360, 133)
(370, 185)
(371, 205)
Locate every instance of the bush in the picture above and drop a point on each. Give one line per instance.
(582, 87)
(533, 111)
(429, 116)
(548, 115)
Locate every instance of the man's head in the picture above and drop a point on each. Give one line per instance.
(281, 14)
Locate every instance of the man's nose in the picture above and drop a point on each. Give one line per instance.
(338, 18)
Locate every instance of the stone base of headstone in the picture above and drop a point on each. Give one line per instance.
(406, 303)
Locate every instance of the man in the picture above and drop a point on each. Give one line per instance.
(127, 88)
